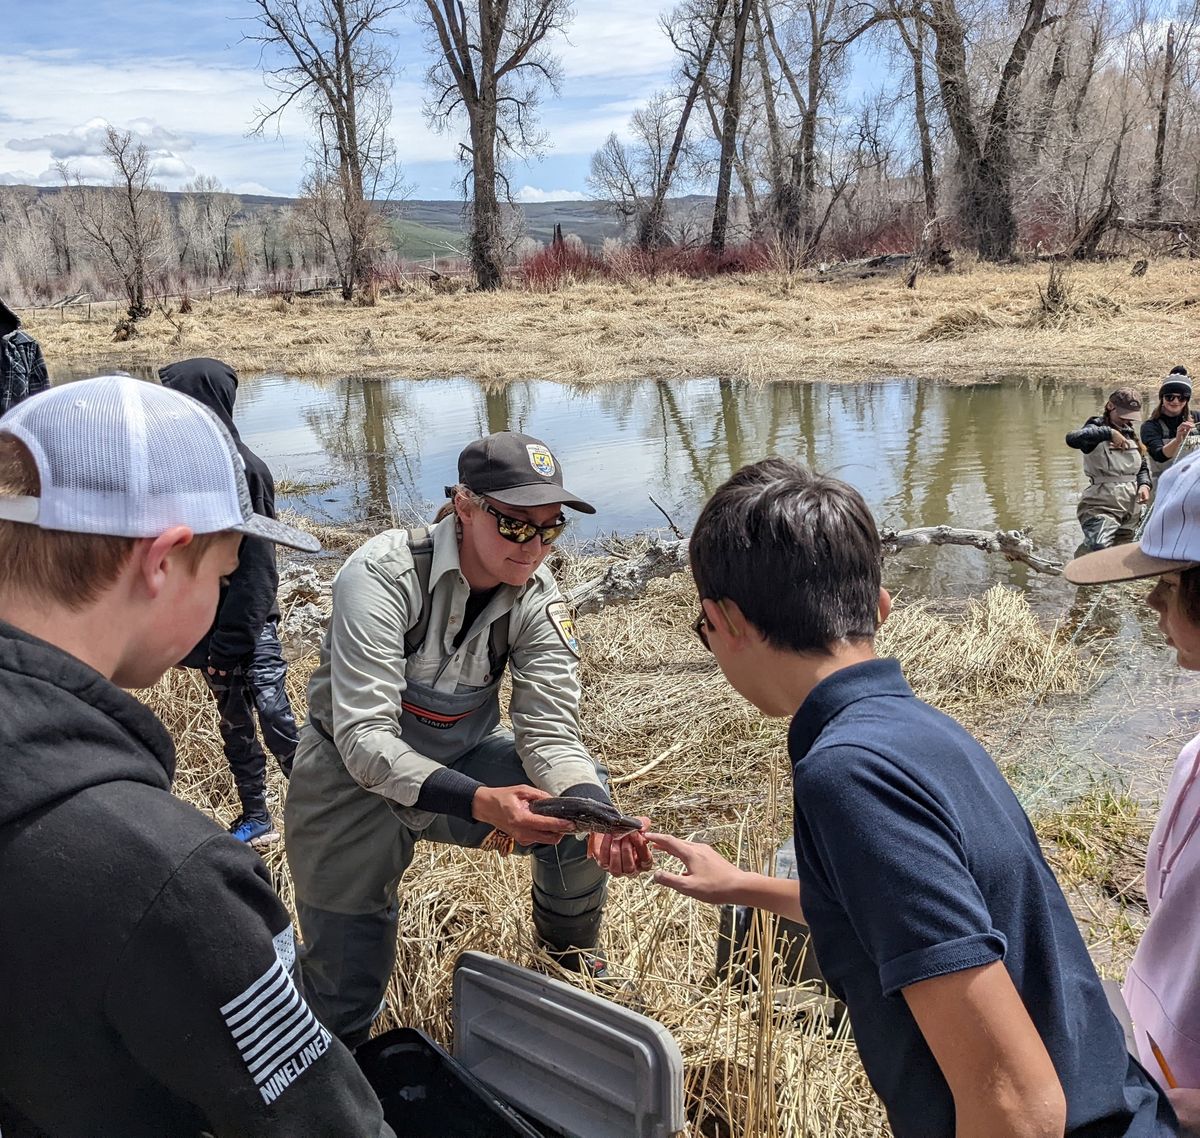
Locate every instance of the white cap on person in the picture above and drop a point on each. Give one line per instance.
(126, 458)
(1169, 541)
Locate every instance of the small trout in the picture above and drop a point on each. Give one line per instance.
(588, 815)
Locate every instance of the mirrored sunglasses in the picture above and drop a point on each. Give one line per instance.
(520, 531)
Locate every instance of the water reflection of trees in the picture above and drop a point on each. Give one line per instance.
(987, 456)
(375, 432)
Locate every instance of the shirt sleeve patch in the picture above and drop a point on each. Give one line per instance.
(564, 624)
(285, 949)
(274, 1031)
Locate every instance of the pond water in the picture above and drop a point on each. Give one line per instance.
(985, 456)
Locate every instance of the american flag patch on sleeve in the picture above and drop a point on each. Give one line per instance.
(276, 1034)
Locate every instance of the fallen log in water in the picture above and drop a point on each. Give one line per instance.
(1014, 544)
(625, 580)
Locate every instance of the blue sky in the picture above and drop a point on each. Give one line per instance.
(182, 77)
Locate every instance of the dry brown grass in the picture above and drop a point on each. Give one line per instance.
(683, 748)
(980, 322)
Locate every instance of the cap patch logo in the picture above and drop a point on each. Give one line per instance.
(564, 624)
(541, 460)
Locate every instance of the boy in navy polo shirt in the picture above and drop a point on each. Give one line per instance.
(934, 916)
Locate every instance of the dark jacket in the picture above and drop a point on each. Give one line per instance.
(145, 959)
(1098, 430)
(22, 368)
(1156, 433)
(249, 600)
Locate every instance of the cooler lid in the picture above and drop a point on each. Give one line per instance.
(581, 1064)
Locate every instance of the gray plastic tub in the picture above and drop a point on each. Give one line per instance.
(583, 1066)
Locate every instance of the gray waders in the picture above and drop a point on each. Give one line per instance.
(1109, 510)
(348, 848)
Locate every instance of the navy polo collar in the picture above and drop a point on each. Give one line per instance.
(835, 693)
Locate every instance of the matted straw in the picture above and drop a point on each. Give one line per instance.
(686, 750)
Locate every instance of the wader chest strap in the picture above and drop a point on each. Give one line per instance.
(420, 545)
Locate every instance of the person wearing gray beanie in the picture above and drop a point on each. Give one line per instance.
(1167, 430)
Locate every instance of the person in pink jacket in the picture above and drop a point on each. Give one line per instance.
(1162, 987)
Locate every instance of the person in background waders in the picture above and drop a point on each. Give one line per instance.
(1166, 432)
(404, 741)
(1118, 475)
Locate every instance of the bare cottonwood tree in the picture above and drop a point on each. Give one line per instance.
(1166, 41)
(127, 229)
(731, 113)
(634, 177)
(491, 62)
(985, 146)
(207, 220)
(334, 61)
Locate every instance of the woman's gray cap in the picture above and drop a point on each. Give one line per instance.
(121, 457)
(517, 470)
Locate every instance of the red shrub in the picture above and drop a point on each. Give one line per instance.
(560, 264)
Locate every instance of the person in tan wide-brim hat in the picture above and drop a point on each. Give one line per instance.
(1163, 999)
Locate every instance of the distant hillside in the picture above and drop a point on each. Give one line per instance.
(591, 221)
(426, 228)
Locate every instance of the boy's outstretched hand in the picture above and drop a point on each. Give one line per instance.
(707, 875)
(623, 855)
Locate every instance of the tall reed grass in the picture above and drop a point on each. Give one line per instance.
(683, 748)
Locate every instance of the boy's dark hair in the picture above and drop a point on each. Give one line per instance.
(797, 551)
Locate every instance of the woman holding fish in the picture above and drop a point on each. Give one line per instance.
(404, 739)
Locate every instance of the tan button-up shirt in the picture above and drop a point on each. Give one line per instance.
(355, 692)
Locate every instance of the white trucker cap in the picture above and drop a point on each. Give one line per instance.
(1170, 541)
(125, 458)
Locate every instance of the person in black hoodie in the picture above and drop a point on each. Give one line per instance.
(240, 657)
(22, 368)
(1171, 422)
(146, 964)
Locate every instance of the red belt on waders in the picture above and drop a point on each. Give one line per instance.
(445, 725)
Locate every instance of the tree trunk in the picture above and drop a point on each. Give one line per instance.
(729, 125)
(652, 228)
(1054, 80)
(921, 112)
(484, 242)
(1087, 241)
(1160, 137)
(986, 165)
(1095, 42)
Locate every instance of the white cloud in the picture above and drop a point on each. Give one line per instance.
(173, 168)
(619, 39)
(88, 140)
(194, 113)
(200, 107)
(531, 194)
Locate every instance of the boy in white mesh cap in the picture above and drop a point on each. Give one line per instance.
(147, 961)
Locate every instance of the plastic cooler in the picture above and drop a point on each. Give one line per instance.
(576, 1064)
(426, 1094)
